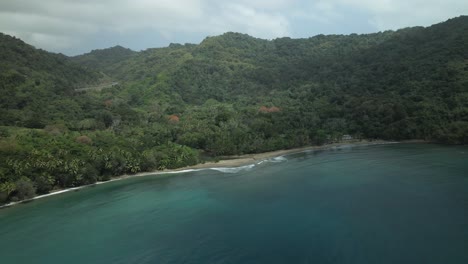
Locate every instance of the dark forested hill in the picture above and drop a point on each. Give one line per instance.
(105, 59)
(19, 57)
(230, 94)
(32, 80)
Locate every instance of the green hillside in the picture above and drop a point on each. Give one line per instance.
(104, 60)
(230, 94)
(36, 86)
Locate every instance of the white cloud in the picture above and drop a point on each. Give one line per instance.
(68, 21)
(38, 23)
(375, 6)
(321, 11)
(54, 42)
(277, 5)
(395, 14)
(64, 24)
(242, 18)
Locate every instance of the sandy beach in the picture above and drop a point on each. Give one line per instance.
(242, 160)
(227, 162)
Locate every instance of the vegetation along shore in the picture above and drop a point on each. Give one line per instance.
(229, 162)
(68, 122)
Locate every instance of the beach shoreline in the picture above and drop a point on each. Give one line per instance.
(227, 162)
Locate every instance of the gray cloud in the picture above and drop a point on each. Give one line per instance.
(71, 26)
(395, 14)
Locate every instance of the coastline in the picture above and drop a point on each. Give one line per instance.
(228, 162)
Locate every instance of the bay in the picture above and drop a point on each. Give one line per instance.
(393, 203)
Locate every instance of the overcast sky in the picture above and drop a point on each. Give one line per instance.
(78, 26)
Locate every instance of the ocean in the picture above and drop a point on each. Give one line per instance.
(391, 203)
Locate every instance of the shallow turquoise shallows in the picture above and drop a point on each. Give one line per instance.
(395, 203)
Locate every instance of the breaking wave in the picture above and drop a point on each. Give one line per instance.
(180, 171)
(233, 170)
(278, 159)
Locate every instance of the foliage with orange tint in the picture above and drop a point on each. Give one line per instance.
(84, 140)
(263, 109)
(108, 103)
(173, 119)
(272, 109)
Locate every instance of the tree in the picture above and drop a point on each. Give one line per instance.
(24, 189)
(6, 189)
(84, 140)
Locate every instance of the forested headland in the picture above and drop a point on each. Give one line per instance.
(62, 125)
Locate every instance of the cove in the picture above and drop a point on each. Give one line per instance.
(395, 203)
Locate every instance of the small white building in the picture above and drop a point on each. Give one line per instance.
(346, 138)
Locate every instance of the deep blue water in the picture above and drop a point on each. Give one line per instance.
(398, 203)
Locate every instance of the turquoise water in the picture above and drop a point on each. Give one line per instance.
(397, 203)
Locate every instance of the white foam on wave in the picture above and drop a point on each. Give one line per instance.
(180, 171)
(233, 170)
(278, 159)
(273, 160)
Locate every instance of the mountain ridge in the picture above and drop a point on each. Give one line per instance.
(229, 95)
